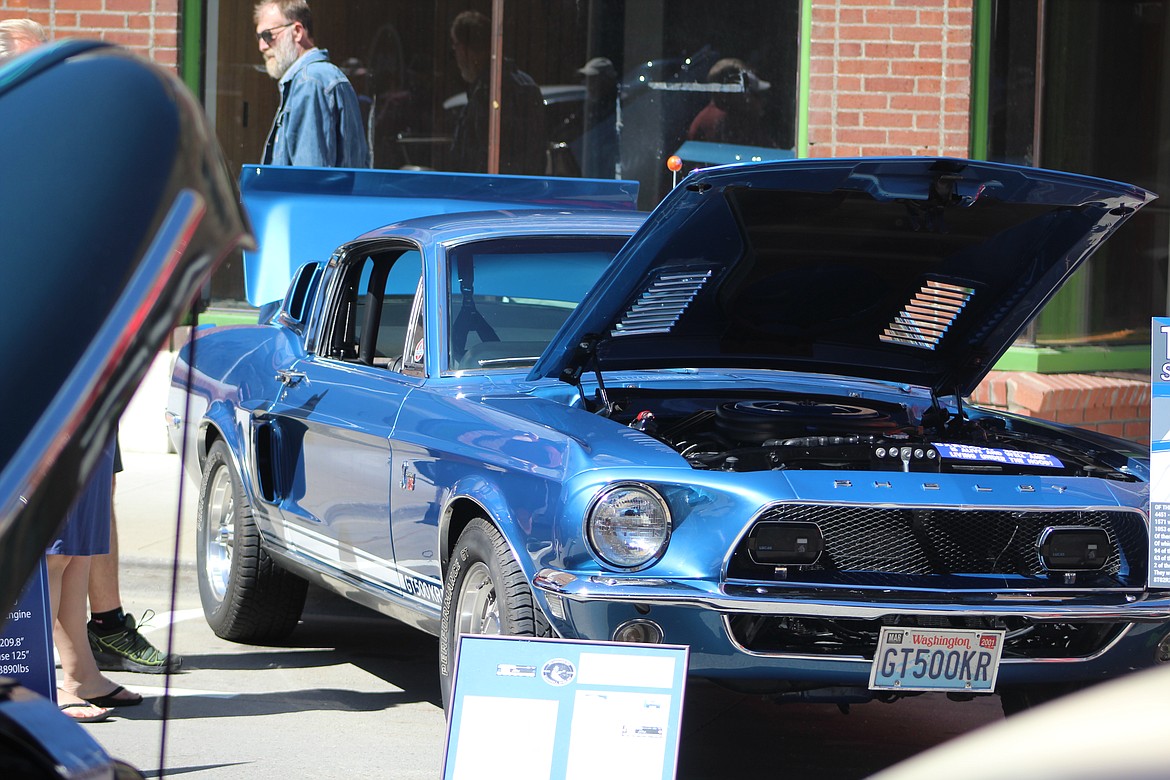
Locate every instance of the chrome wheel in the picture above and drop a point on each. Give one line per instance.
(478, 611)
(488, 595)
(246, 596)
(220, 532)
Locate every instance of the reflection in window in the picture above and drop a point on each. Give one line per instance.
(603, 89)
(521, 133)
(507, 299)
(1082, 120)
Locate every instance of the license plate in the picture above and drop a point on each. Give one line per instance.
(936, 659)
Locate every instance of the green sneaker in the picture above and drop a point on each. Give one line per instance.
(129, 651)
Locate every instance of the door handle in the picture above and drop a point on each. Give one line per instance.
(288, 377)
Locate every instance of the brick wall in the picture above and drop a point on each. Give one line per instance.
(147, 27)
(1113, 405)
(889, 77)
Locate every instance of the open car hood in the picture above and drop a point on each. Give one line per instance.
(911, 270)
(116, 205)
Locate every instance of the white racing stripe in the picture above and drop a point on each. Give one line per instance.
(357, 562)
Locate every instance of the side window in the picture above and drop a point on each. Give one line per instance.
(372, 308)
(398, 302)
(300, 294)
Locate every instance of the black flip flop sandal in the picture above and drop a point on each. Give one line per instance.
(98, 718)
(111, 700)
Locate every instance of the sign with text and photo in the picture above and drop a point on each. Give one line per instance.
(537, 709)
(1160, 453)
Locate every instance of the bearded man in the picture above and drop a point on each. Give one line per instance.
(319, 122)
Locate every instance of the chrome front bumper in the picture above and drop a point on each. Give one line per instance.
(1138, 607)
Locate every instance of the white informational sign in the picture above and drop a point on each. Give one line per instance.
(1160, 454)
(539, 709)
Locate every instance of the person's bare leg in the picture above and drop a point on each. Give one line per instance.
(105, 592)
(80, 675)
(115, 640)
(58, 566)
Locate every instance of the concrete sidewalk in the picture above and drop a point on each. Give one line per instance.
(150, 486)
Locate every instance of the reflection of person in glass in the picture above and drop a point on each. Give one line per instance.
(599, 152)
(735, 114)
(522, 134)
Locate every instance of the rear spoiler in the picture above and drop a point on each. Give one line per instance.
(301, 215)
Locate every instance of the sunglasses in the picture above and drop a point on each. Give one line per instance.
(266, 35)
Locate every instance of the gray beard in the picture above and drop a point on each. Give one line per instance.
(284, 55)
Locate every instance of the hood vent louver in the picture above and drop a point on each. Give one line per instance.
(924, 321)
(662, 303)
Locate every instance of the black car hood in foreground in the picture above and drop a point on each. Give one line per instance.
(912, 270)
(115, 206)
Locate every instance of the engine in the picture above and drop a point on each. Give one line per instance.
(755, 434)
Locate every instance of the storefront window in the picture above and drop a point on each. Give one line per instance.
(1102, 108)
(596, 88)
(1012, 91)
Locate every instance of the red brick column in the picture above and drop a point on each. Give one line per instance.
(889, 77)
(1116, 406)
(147, 27)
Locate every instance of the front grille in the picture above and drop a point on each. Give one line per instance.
(912, 547)
(828, 638)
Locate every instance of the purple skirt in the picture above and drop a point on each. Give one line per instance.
(86, 530)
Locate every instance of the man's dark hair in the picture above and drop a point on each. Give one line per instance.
(473, 30)
(291, 10)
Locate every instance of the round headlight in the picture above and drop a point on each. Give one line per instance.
(628, 526)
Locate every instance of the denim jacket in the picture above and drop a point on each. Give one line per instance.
(319, 122)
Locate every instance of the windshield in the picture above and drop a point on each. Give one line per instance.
(508, 298)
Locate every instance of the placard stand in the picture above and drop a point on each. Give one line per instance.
(538, 709)
(1160, 453)
(26, 640)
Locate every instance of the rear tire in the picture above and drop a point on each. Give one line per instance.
(484, 592)
(246, 597)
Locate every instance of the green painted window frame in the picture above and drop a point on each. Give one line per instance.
(191, 46)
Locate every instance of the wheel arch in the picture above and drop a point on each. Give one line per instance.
(464, 508)
(218, 425)
(209, 434)
(458, 513)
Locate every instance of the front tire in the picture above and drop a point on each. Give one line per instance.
(484, 592)
(246, 597)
